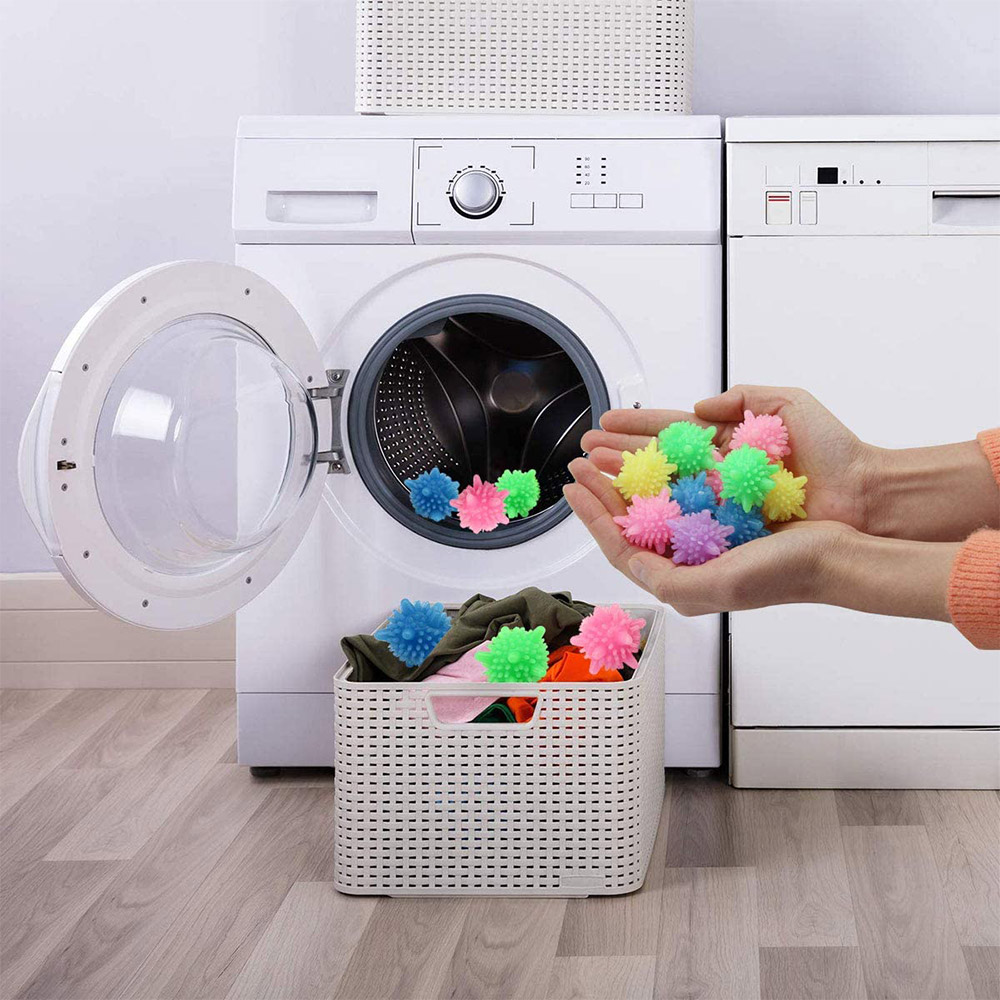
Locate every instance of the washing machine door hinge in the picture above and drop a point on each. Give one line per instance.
(336, 379)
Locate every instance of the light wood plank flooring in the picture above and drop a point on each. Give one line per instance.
(138, 860)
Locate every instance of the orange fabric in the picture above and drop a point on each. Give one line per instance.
(974, 586)
(568, 665)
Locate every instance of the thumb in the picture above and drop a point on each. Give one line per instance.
(652, 572)
(730, 405)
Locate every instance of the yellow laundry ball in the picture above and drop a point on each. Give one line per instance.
(785, 500)
(645, 473)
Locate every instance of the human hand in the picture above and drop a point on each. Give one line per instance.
(822, 562)
(841, 468)
(788, 567)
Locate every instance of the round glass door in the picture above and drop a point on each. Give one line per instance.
(205, 442)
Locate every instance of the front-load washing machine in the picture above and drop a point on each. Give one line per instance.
(466, 293)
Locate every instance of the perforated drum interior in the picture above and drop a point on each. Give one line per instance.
(474, 386)
(523, 56)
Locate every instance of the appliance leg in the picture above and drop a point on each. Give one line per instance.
(265, 772)
(692, 772)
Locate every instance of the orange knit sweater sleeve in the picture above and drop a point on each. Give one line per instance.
(974, 587)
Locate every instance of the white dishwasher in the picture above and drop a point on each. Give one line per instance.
(864, 265)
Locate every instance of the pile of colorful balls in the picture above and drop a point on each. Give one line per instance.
(684, 494)
(482, 506)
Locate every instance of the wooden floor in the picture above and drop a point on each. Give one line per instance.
(138, 860)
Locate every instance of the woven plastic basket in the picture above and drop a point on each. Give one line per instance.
(531, 56)
(564, 805)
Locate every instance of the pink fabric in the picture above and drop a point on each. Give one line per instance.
(465, 669)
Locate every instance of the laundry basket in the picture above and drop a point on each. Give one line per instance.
(523, 56)
(566, 804)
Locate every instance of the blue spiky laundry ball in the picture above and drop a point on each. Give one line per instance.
(746, 525)
(693, 494)
(431, 494)
(414, 629)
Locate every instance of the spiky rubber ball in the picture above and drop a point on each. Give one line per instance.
(688, 446)
(516, 656)
(609, 638)
(765, 431)
(786, 499)
(699, 537)
(693, 493)
(523, 492)
(431, 494)
(644, 473)
(746, 525)
(414, 629)
(712, 476)
(480, 506)
(746, 476)
(647, 523)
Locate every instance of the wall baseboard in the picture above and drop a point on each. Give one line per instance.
(51, 638)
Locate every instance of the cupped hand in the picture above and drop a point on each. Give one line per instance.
(838, 464)
(793, 565)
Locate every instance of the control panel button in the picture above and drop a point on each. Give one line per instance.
(605, 201)
(807, 208)
(630, 201)
(475, 194)
(778, 208)
(581, 201)
(827, 175)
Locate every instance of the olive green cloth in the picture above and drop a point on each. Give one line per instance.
(478, 619)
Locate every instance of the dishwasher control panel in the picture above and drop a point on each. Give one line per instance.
(863, 188)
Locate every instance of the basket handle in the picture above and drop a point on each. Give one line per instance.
(476, 690)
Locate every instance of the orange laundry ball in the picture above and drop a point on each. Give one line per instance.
(567, 665)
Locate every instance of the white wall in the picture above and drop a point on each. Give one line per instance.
(117, 120)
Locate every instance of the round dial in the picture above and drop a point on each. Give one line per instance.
(475, 193)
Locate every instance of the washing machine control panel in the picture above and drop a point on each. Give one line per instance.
(540, 190)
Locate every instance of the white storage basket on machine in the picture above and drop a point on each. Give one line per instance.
(530, 56)
(566, 804)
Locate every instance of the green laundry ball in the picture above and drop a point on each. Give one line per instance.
(516, 656)
(523, 492)
(688, 446)
(746, 476)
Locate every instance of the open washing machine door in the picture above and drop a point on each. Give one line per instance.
(170, 460)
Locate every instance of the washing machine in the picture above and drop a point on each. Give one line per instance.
(468, 293)
(863, 265)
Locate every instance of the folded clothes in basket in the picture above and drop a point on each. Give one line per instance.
(477, 620)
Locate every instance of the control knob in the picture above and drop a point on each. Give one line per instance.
(475, 193)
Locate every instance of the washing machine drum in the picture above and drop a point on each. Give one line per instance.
(474, 385)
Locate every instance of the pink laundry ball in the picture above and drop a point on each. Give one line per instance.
(480, 506)
(609, 638)
(648, 521)
(712, 477)
(699, 537)
(766, 432)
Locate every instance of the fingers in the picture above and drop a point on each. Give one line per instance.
(607, 460)
(647, 423)
(598, 521)
(588, 476)
(729, 406)
(617, 442)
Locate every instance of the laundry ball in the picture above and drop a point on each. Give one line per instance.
(765, 431)
(693, 493)
(522, 489)
(609, 637)
(747, 525)
(644, 473)
(480, 506)
(648, 519)
(712, 476)
(746, 476)
(699, 537)
(516, 656)
(414, 629)
(688, 446)
(786, 499)
(431, 494)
